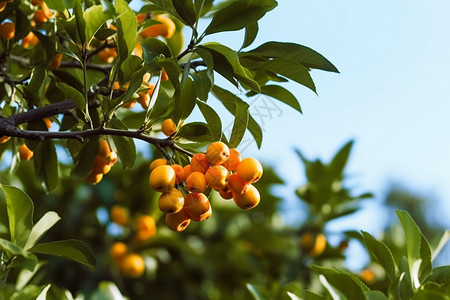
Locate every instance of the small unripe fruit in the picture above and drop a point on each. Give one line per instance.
(25, 153)
(249, 199)
(179, 171)
(157, 162)
(199, 163)
(196, 204)
(217, 153)
(118, 251)
(196, 182)
(119, 215)
(178, 221)
(217, 177)
(171, 202)
(236, 184)
(162, 179)
(250, 170)
(232, 162)
(168, 127)
(132, 265)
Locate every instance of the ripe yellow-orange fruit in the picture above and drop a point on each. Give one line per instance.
(196, 182)
(179, 171)
(112, 158)
(56, 62)
(226, 193)
(164, 76)
(204, 216)
(129, 104)
(145, 228)
(250, 170)
(368, 276)
(3, 5)
(168, 127)
(137, 50)
(196, 205)
(166, 28)
(217, 177)
(144, 97)
(187, 171)
(217, 153)
(25, 153)
(248, 199)
(93, 178)
(47, 122)
(236, 184)
(132, 265)
(103, 148)
(141, 18)
(46, 10)
(101, 165)
(30, 40)
(118, 251)
(157, 162)
(313, 244)
(7, 30)
(119, 215)
(36, 2)
(4, 139)
(232, 162)
(178, 221)
(39, 17)
(107, 55)
(199, 163)
(171, 202)
(162, 179)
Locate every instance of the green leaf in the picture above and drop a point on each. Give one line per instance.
(312, 296)
(196, 132)
(185, 100)
(347, 283)
(282, 94)
(258, 292)
(429, 294)
(444, 238)
(80, 22)
(126, 149)
(213, 120)
(418, 249)
(251, 31)
(84, 159)
(126, 29)
(440, 275)
(130, 66)
(339, 161)
(22, 259)
(381, 253)
(155, 47)
(239, 72)
(20, 213)
(60, 5)
(95, 16)
(69, 249)
(241, 119)
(295, 52)
(239, 14)
(46, 164)
(107, 291)
(334, 293)
(41, 227)
(10, 248)
(229, 100)
(167, 5)
(203, 81)
(375, 295)
(25, 276)
(74, 94)
(186, 11)
(288, 68)
(24, 28)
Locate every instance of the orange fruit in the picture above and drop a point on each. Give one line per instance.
(313, 244)
(164, 76)
(145, 228)
(144, 97)
(203, 217)
(196, 182)
(36, 2)
(137, 50)
(56, 62)
(141, 18)
(226, 193)
(179, 171)
(7, 30)
(39, 17)
(166, 28)
(3, 5)
(171, 202)
(30, 40)
(217, 177)
(25, 153)
(157, 162)
(46, 10)
(248, 199)
(132, 265)
(187, 171)
(196, 205)
(93, 178)
(103, 148)
(236, 184)
(168, 127)
(199, 163)
(178, 221)
(232, 162)
(129, 104)
(47, 122)
(107, 55)
(101, 165)
(162, 179)
(4, 139)
(217, 153)
(118, 250)
(119, 215)
(250, 170)
(368, 276)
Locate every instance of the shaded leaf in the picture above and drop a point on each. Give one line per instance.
(241, 118)
(186, 11)
(185, 100)
(84, 159)
(73, 94)
(381, 253)
(196, 132)
(375, 295)
(126, 149)
(126, 29)
(251, 31)
(203, 81)
(258, 292)
(95, 16)
(282, 94)
(213, 120)
(339, 161)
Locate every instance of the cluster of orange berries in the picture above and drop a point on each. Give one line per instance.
(143, 97)
(183, 188)
(43, 13)
(104, 160)
(129, 263)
